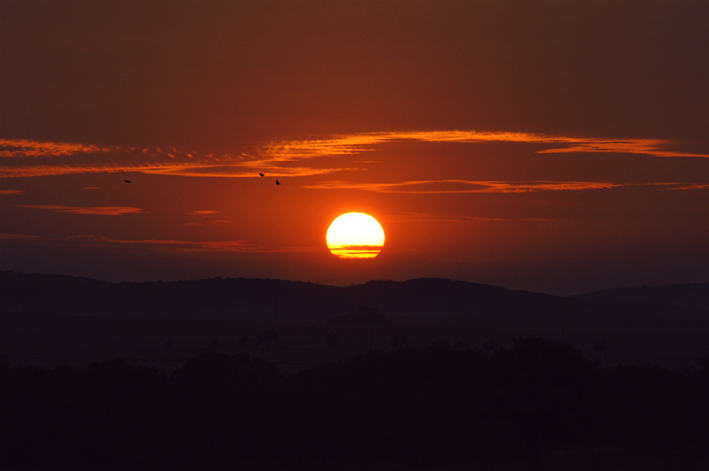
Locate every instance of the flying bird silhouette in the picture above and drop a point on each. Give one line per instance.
(277, 182)
(261, 174)
(127, 181)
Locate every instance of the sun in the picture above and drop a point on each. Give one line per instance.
(355, 235)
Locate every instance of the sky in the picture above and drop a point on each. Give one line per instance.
(556, 147)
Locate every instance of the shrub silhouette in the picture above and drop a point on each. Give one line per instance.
(267, 337)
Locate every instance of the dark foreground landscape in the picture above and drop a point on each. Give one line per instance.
(427, 374)
(537, 405)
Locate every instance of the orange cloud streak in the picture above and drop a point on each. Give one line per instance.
(275, 158)
(159, 245)
(472, 186)
(358, 143)
(203, 212)
(162, 245)
(465, 186)
(96, 210)
(423, 217)
(27, 148)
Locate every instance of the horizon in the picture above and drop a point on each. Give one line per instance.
(551, 147)
(217, 277)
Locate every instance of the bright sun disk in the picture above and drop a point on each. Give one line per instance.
(355, 235)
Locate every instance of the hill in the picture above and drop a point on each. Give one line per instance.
(272, 300)
(694, 296)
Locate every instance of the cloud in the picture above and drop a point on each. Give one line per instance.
(96, 210)
(424, 217)
(16, 236)
(162, 245)
(203, 212)
(209, 219)
(11, 148)
(158, 245)
(12, 192)
(210, 223)
(464, 186)
(473, 186)
(357, 143)
(64, 159)
(283, 158)
(691, 186)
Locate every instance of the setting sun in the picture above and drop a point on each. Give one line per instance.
(355, 235)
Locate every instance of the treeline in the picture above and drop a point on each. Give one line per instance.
(415, 407)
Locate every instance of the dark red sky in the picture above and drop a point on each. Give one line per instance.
(550, 146)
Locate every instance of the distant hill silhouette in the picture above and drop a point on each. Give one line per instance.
(693, 296)
(294, 301)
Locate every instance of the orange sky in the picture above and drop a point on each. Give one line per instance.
(551, 146)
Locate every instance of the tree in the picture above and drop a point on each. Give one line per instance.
(601, 347)
(245, 341)
(545, 388)
(267, 337)
(332, 339)
(399, 341)
(490, 347)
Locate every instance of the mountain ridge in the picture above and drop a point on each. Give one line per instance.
(298, 301)
(692, 296)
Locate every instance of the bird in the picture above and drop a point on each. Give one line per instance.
(127, 181)
(277, 182)
(261, 174)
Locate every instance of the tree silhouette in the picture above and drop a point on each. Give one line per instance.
(399, 341)
(168, 343)
(490, 347)
(545, 390)
(332, 339)
(267, 337)
(245, 341)
(601, 347)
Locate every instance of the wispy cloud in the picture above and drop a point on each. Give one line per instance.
(64, 159)
(426, 217)
(203, 212)
(474, 186)
(16, 236)
(464, 186)
(95, 210)
(286, 157)
(691, 186)
(208, 218)
(12, 192)
(11, 148)
(358, 143)
(163, 245)
(173, 246)
(210, 223)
